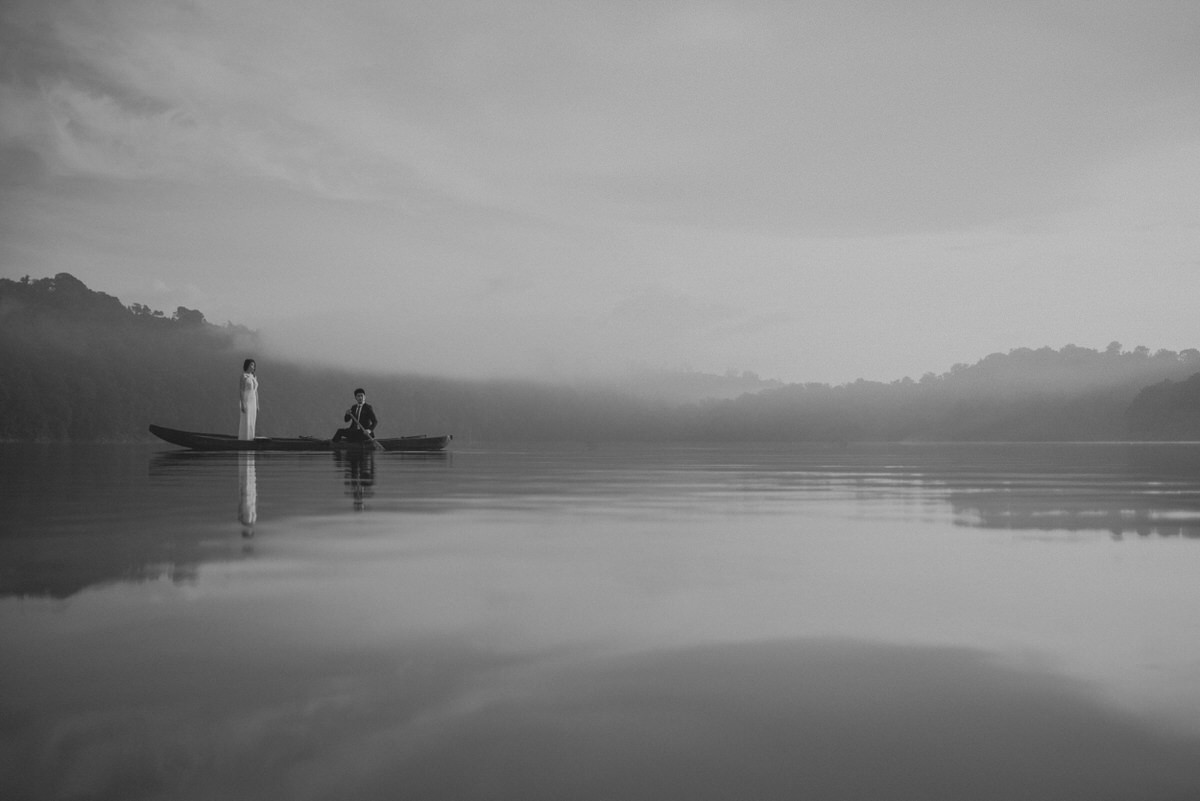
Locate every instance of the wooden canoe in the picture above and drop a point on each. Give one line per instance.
(420, 443)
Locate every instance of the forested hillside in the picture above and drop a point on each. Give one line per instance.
(1026, 395)
(78, 365)
(1169, 410)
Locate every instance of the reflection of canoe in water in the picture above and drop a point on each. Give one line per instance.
(228, 442)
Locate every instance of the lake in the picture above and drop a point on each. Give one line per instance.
(672, 622)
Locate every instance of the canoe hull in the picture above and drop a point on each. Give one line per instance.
(227, 442)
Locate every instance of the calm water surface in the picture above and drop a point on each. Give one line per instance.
(916, 622)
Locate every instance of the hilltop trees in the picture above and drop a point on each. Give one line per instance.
(78, 365)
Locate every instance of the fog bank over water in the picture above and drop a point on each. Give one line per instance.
(79, 365)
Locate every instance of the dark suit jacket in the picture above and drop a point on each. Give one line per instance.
(366, 416)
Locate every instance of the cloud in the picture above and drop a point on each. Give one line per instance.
(847, 118)
(20, 165)
(655, 307)
(122, 90)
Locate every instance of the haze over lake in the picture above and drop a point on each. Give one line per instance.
(793, 228)
(907, 621)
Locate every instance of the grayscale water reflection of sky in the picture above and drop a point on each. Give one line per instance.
(654, 623)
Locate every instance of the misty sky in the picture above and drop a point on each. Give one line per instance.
(814, 191)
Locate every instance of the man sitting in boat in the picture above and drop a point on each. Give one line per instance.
(361, 418)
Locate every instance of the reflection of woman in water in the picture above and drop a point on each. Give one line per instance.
(247, 493)
(249, 400)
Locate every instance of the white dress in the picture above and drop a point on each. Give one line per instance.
(249, 406)
(248, 492)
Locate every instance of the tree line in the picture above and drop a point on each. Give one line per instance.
(78, 365)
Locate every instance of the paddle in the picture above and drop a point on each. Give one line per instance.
(375, 442)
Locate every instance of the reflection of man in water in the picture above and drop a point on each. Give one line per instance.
(247, 493)
(359, 467)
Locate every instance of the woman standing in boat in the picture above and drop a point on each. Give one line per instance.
(249, 400)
